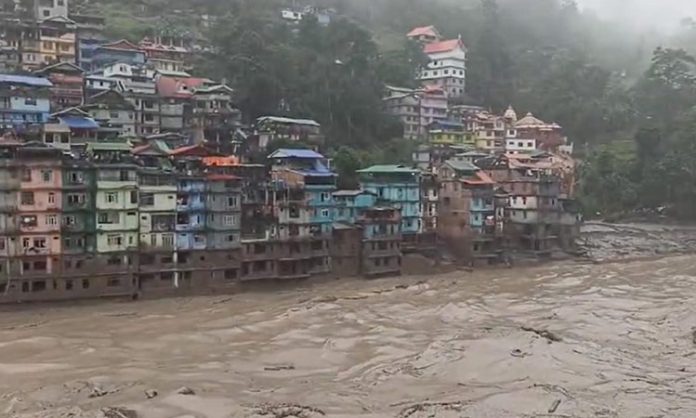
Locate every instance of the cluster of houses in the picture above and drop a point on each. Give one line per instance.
(123, 219)
(123, 175)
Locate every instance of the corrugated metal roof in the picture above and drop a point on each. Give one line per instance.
(296, 153)
(78, 122)
(388, 169)
(25, 80)
(462, 165)
(291, 121)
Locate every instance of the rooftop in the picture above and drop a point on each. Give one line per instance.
(443, 46)
(424, 31)
(295, 153)
(25, 80)
(375, 169)
(289, 121)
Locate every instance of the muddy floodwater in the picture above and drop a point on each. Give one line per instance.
(566, 340)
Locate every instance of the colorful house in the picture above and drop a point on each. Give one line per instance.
(305, 208)
(24, 103)
(399, 187)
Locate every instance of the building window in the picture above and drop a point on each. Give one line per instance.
(168, 240)
(153, 240)
(51, 220)
(29, 221)
(112, 197)
(228, 220)
(47, 13)
(26, 174)
(134, 197)
(39, 242)
(114, 240)
(232, 202)
(230, 238)
(147, 199)
(27, 198)
(107, 218)
(324, 213)
(51, 198)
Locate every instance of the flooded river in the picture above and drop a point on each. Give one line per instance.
(568, 340)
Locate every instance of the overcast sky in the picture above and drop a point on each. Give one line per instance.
(648, 14)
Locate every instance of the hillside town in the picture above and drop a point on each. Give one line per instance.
(124, 175)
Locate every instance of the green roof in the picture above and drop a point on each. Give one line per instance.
(375, 169)
(109, 146)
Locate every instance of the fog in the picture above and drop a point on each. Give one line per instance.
(664, 15)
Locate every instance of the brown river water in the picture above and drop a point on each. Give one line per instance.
(620, 343)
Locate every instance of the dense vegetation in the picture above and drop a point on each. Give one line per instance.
(627, 105)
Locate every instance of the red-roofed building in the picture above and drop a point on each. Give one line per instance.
(447, 66)
(425, 34)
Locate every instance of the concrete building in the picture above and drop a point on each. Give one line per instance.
(273, 128)
(122, 51)
(304, 189)
(381, 243)
(57, 40)
(116, 209)
(114, 114)
(467, 212)
(445, 132)
(166, 53)
(70, 128)
(68, 85)
(215, 117)
(50, 9)
(398, 187)
(24, 103)
(416, 108)
(90, 35)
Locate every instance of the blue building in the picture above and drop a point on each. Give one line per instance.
(351, 203)
(24, 103)
(191, 213)
(303, 194)
(399, 187)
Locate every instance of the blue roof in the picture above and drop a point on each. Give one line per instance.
(79, 122)
(296, 153)
(448, 124)
(26, 80)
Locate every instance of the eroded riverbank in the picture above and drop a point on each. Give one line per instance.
(461, 344)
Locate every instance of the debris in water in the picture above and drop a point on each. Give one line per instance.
(518, 353)
(279, 368)
(97, 392)
(151, 393)
(117, 412)
(544, 334)
(554, 406)
(284, 410)
(185, 390)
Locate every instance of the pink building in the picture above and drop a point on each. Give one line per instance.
(38, 247)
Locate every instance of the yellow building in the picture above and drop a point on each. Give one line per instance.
(449, 133)
(57, 40)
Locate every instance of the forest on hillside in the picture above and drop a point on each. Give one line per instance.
(626, 98)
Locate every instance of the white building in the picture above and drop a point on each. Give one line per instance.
(520, 146)
(447, 66)
(48, 9)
